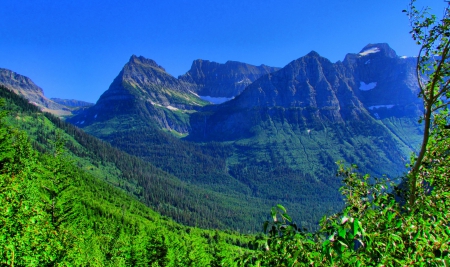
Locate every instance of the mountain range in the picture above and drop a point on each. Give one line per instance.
(278, 136)
(25, 87)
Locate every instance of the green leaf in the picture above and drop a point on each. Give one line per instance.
(355, 226)
(342, 232)
(287, 217)
(281, 208)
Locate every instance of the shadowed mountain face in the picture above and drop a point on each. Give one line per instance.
(25, 87)
(223, 80)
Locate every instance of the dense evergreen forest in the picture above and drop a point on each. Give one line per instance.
(54, 213)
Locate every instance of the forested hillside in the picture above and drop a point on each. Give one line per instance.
(184, 202)
(52, 212)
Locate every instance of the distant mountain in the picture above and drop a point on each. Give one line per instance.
(72, 102)
(25, 87)
(223, 80)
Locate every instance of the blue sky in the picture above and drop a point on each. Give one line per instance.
(74, 49)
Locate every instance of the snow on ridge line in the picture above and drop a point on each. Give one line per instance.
(367, 86)
(380, 106)
(369, 51)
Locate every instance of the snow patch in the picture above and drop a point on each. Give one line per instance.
(367, 86)
(376, 116)
(244, 81)
(380, 106)
(95, 117)
(403, 57)
(367, 62)
(154, 104)
(82, 122)
(193, 93)
(370, 51)
(171, 108)
(216, 100)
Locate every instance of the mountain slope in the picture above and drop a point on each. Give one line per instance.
(145, 95)
(130, 121)
(277, 141)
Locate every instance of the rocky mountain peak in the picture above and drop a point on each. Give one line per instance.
(378, 49)
(25, 87)
(312, 54)
(14, 80)
(144, 61)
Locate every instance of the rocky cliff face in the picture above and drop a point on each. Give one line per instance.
(223, 80)
(147, 80)
(384, 81)
(25, 87)
(311, 82)
(367, 84)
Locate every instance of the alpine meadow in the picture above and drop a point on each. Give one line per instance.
(316, 163)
